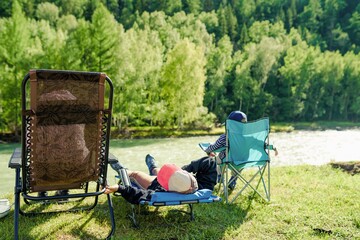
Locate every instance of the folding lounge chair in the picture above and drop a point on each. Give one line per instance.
(160, 199)
(66, 118)
(247, 148)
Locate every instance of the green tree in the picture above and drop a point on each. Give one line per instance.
(253, 70)
(48, 11)
(311, 17)
(51, 43)
(330, 17)
(349, 98)
(218, 68)
(244, 36)
(137, 85)
(127, 16)
(171, 7)
(333, 73)
(159, 22)
(227, 22)
(354, 27)
(5, 8)
(72, 7)
(77, 51)
(104, 45)
(294, 81)
(210, 20)
(259, 30)
(192, 6)
(182, 82)
(17, 50)
(245, 11)
(67, 23)
(315, 106)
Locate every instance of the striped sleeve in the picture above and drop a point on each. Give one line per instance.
(220, 142)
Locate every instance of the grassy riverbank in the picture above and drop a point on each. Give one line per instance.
(173, 132)
(158, 132)
(308, 202)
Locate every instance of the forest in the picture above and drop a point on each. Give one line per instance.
(189, 63)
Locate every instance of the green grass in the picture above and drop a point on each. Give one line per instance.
(7, 179)
(308, 202)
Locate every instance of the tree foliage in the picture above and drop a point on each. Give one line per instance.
(177, 63)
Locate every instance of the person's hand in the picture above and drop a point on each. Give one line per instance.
(276, 152)
(111, 189)
(212, 154)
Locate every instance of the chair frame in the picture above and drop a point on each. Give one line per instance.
(20, 157)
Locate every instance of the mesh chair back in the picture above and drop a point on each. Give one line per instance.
(64, 133)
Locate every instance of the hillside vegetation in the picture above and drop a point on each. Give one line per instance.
(187, 64)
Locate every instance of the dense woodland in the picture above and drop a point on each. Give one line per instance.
(188, 63)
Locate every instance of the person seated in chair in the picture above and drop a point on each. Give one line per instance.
(221, 143)
(53, 137)
(199, 174)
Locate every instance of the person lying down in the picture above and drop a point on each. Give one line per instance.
(169, 178)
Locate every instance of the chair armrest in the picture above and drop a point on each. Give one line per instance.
(15, 159)
(205, 145)
(270, 147)
(112, 158)
(125, 180)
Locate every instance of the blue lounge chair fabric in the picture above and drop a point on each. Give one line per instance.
(172, 198)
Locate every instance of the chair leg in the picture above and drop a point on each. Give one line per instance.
(112, 217)
(192, 217)
(247, 183)
(221, 181)
(17, 203)
(133, 216)
(224, 181)
(268, 181)
(266, 189)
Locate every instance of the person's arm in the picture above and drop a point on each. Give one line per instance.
(205, 172)
(220, 143)
(129, 193)
(203, 165)
(193, 167)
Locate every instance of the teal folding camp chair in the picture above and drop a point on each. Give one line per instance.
(247, 148)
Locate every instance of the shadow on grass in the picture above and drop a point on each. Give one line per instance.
(60, 225)
(212, 220)
(352, 167)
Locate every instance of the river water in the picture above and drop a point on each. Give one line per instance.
(295, 148)
(317, 147)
